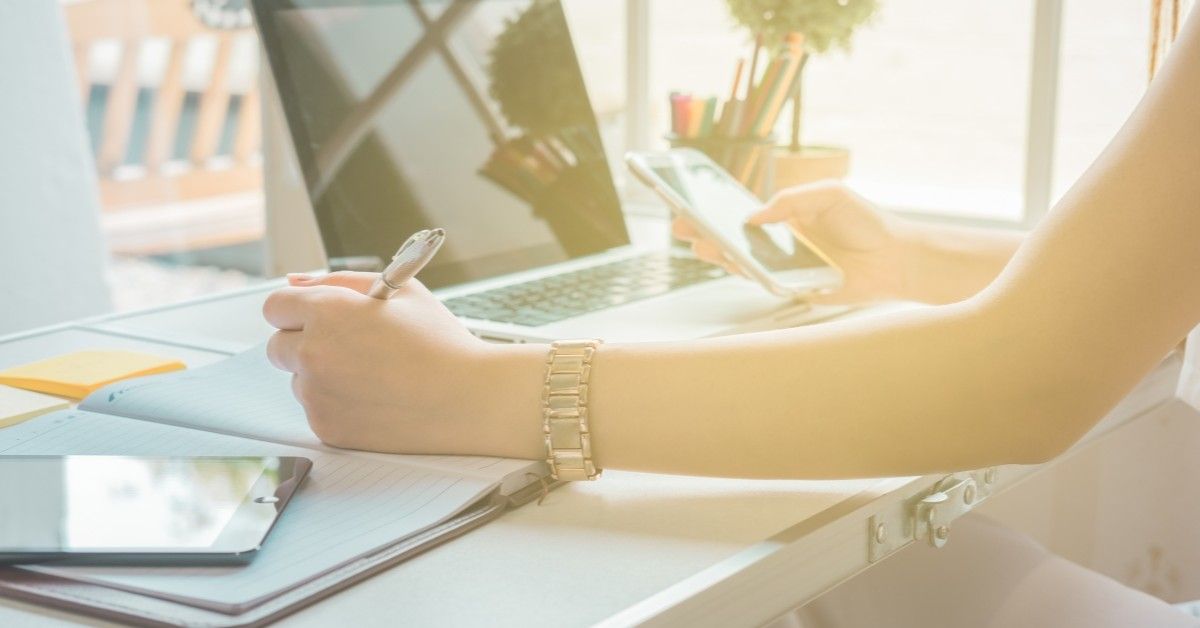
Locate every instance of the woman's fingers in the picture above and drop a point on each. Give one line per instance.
(801, 203)
(712, 254)
(682, 228)
(294, 308)
(283, 350)
(708, 252)
(357, 281)
(286, 309)
(703, 248)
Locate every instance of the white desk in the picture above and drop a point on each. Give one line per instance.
(632, 548)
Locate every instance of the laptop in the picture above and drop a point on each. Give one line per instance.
(473, 116)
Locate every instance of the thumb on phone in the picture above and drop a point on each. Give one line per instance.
(803, 202)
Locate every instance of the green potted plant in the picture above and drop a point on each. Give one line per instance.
(824, 25)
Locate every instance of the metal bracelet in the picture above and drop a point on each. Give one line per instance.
(565, 410)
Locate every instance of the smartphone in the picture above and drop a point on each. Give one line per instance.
(699, 189)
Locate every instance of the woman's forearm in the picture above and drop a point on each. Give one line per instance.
(929, 390)
(682, 408)
(947, 263)
(925, 391)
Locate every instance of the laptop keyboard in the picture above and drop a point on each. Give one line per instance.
(559, 297)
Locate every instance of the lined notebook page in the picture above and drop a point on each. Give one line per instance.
(348, 506)
(246, 396)
(242, 395)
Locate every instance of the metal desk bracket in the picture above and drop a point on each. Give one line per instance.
(928, 516)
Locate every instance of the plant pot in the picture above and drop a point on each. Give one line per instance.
(810, 163)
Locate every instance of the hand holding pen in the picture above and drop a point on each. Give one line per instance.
(357, 361)
(409, 259)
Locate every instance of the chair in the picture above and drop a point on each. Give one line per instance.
(174, 114)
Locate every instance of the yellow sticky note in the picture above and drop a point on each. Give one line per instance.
(76, 375)
(18, 405)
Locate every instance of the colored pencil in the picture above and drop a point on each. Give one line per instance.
(679, 113)
(710, 113)
(753, 65)
(737, 79)
(755, 101)
(695, 117)
(776, 96)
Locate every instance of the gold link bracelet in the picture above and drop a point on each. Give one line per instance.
(565, 410)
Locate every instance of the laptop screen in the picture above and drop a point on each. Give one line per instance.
(469, 115)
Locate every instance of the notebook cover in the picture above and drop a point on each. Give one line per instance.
(142, 610)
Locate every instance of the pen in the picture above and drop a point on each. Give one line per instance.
(409, 259)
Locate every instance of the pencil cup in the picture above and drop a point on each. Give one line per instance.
(748, 159)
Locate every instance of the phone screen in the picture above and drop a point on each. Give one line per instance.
(725, 205)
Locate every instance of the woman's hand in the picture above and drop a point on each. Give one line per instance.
(859, 238)
(401, 375)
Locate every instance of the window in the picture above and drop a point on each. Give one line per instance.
(969, 109)
(172, 108)
(1103, 74)
(932, 102)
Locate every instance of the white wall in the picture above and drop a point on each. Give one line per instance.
(51, 252)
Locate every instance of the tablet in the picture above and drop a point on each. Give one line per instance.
(127, 510)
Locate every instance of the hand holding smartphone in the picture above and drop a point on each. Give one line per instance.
(698, 189)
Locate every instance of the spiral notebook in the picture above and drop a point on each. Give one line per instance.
(357, 513)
